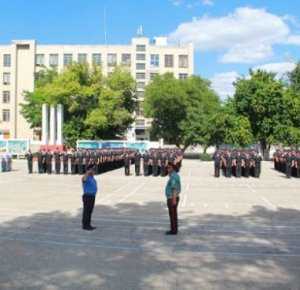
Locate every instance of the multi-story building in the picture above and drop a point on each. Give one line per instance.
(20, 60)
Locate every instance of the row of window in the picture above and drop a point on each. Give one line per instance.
(112, 59)
(141, 84)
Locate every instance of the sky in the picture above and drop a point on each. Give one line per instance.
(229, 37)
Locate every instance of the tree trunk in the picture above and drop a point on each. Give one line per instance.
(205, 149)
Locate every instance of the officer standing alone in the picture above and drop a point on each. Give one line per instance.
(90, 188)
(172, 191)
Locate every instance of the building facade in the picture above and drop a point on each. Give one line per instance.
(20, 60)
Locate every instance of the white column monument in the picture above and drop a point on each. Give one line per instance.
(52, 131)
(45, 124)
(52, 125)
(59, 121)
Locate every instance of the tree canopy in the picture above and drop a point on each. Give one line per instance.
(95, 106)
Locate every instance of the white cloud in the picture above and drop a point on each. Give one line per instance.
(222, 83)
(207, 2)
(279, 68)
(294, 39)
(245, 36)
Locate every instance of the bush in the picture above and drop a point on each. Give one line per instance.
(205, 157)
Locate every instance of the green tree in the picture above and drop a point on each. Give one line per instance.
(166, 103)
(228, 127)
(260, 98)
(180, 109)
(94, 106)
(202, 104)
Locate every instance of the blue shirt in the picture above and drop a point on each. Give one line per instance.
(173, 185)
(90, 186)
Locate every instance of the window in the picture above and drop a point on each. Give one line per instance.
(6, 78)
(53, 60)
(112, 59)
(183, 76)
(140, 76)
(6, 60)
(183, 61)
(153, 75)
(141, 56)
(96, 58)
(126, 59)
(140, 66)
(6, 97)
(140, 109)
(141, 47)
(140, 85)
(154, 61)
(169, 60)
(68, 58)
(82, 58)
(140, 95)
(39, 59)
(5, 115)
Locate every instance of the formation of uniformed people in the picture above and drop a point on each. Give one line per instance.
(237, 163)
(288, 162)
(76, 161)
(5, 162)
(153, 162)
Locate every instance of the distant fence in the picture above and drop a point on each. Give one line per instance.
(138, 145)
(14, 146)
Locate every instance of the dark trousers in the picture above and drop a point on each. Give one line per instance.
(65, 167)
(29, 167)
(217, 171)
(137, 169)
(88, 206)
(127, 170)
(173, 214)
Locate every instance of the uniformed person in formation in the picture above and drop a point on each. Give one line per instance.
(49, 162)
(237, 163)
(288, 162)
(57, 161)
(29, 157)
(65, 159)
(137, 163)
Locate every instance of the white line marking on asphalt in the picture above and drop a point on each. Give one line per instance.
(269, 203)
(205, 205)
(226, 205)
(132, 192)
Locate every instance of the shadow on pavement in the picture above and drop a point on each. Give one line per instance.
(260, 250)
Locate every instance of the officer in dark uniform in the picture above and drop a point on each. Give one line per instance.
(80, 162)
(217, 161)
(247, 165)
(127, 164)
(228, 165)
(73, 162)
(29, 157)
(39, 161)
(288, 165)
(257, 169)
(49, 162)
(163, 160)
(146, 158)
(238, 165)
(154, 164)
(44, 161)
(57, 162)
(137, 163)
(65, 157)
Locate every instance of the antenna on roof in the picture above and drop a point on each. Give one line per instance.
(140, 31)
(104, 25)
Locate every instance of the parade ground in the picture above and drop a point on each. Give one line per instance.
(234, 233)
